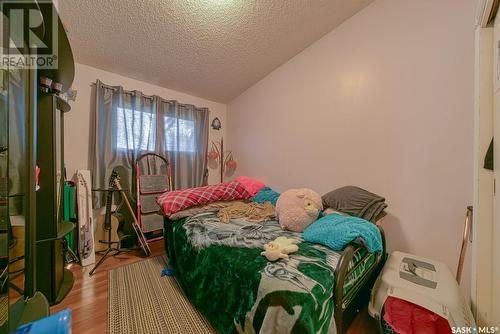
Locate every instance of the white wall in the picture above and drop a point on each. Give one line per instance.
(77, 122)
(385, 102)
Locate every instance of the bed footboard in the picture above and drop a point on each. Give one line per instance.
(346, 306)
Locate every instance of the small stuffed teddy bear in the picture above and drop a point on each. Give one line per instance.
(297, 208)
(279, 248)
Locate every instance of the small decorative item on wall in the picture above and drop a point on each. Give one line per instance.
(71, 94)
(218, 158)
(216, 124)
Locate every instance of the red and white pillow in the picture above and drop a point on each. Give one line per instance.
(175, 201)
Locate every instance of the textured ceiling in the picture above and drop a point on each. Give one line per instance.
(214, 49)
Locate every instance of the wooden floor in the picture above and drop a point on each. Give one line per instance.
(88, 298)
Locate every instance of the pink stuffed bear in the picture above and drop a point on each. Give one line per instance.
(297, 208)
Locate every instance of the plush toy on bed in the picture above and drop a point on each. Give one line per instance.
(297, 208)
(279, 248)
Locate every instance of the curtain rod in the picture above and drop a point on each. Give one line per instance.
(130, 92)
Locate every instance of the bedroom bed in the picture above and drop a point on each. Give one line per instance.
(220, 269)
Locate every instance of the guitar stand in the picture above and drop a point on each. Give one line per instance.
(110, 250)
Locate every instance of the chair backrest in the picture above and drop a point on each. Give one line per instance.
(153, 164)
(154, 184)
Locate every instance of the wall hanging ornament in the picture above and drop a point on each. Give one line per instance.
(216, 124)
(218, 158)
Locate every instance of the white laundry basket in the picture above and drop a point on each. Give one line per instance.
(423, 282)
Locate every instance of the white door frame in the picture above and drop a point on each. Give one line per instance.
(495, 229)
(485, 284)
(482, 275)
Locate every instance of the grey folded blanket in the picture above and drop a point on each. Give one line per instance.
(357, 202)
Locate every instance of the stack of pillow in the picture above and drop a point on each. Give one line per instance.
(357, 202)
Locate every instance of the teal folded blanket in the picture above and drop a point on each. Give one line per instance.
(336, 231)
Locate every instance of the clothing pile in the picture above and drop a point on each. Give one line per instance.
(252, 212)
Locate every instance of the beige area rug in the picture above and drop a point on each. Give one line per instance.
(141, 301)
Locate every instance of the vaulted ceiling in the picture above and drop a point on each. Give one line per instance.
(214, 49)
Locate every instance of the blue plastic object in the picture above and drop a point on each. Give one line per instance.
(59, 323)
(169, 271)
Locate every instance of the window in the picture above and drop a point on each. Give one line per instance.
(179, 135)
(136, 130)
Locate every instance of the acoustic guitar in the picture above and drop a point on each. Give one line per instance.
(108, 220)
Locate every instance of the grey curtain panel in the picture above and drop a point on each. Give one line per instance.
(128, 124)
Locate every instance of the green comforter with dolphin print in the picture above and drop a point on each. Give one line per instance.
(221, 271)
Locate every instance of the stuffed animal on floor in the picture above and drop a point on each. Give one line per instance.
(279, 248)
(297, 208)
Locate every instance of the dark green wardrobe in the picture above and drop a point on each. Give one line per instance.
(52, 279)
(31, 134)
